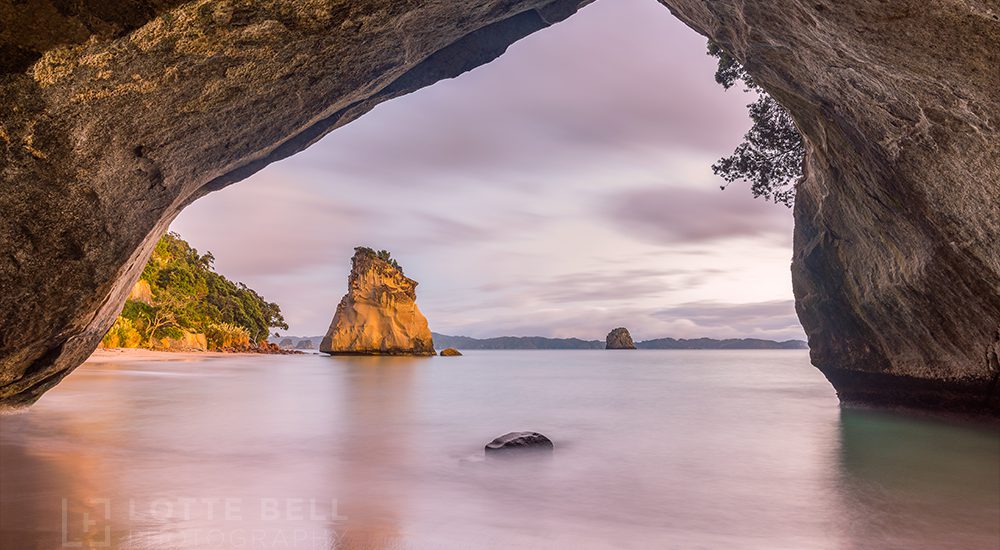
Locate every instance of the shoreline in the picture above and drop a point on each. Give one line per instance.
(122, 355)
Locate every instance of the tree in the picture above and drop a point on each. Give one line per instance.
(386, 256)
(770, 157)
(187, 294)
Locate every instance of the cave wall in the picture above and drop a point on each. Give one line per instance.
(896, 267)
(115, 115)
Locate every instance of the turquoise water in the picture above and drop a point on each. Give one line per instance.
(654, 449)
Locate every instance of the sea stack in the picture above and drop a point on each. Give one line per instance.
(379, 314)
(619, 338)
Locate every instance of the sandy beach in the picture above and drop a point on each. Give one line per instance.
(128, 355)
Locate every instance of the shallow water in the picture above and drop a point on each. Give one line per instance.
(654, 449)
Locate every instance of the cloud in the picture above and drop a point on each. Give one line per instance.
(691, 215)
(622, 76)
(762, 319)
(592, 286)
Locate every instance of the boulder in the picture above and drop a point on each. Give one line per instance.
(619, 338)
(450, 352)
(518, 443)
(379, 313)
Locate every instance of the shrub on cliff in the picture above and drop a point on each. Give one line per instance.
(770, 157)
(383, 255)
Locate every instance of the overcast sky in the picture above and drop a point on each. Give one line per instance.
(562, 190)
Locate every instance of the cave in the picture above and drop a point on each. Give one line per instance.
(117, 115)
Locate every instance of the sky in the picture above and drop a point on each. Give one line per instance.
(562, 190)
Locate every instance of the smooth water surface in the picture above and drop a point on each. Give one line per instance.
(654, 449)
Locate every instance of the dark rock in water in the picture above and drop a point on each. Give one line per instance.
(450, 352)
(619, 338)
(518, 443)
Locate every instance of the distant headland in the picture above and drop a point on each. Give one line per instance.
(540, 342)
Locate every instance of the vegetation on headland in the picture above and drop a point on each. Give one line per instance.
(383, 255)
(770, 157)
(181, 300)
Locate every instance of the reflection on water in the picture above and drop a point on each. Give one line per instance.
(905, 479)
(375, 398)
(654, 449)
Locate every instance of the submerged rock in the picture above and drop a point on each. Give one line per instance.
(619, 338)
(379, 314)
(450, 352)
(516, 443)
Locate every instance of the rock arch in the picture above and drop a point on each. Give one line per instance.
(117, 114)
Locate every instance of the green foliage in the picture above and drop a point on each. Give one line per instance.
(122, 334)
(188, 295)
(226, 336)
(383, 255)
(770, 157)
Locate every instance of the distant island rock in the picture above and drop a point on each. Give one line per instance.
(305, 344)
(619, 338)
(540, 342)
(450, 352)
(379, 314)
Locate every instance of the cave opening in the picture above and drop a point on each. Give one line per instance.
(569, 178)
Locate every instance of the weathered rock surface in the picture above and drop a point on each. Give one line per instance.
(450, 352)
(896, 267)
(379, 314)
(517, 443)
(619, 338)
(115, 115)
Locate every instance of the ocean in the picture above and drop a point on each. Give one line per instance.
(653, 449)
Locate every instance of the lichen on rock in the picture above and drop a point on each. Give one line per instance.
(379, 314)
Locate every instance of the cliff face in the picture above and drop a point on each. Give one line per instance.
(113, 120)
(619, 338)
(896, 266)
(379, 314)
